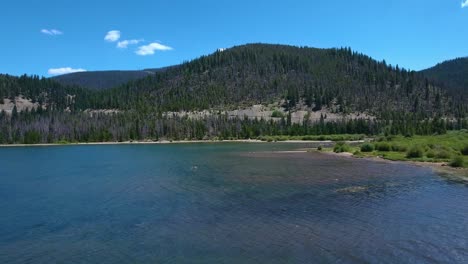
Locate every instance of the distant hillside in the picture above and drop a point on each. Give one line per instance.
(277, 89)
(247, 75)
(99, 80)
(452, 74)
(261, 74)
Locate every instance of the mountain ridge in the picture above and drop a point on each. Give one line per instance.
(447, 74)
(451, 74)
(104, 79)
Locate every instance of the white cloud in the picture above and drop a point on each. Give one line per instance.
(124, 43)
(112, 36)
(150, 49)
(464, 4)
(65, 70)
(51, 32)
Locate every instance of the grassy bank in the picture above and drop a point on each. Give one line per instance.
(450, 148)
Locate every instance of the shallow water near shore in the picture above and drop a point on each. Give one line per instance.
(223, 203)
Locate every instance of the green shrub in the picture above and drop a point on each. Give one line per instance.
(319, 148)
(415, 152)
(341, 147)
(457, 162)
(443, 154)
(367, 147)
(277, 114)
(398, 148)
(464, 150)
(382, 146)
(430, 154)
(63, 142)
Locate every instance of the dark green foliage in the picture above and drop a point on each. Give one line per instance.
(442, 154)
(438, 152)
(277, 114)
(415, 152)
(32, 137)
(319, 148)
(382, 146)
(457, 162)
(398, 148)
(367, 147)
(452, 74)
(341, 147)
(430, 154)
(99, 80)
(464, 150)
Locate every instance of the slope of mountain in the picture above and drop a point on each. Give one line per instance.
(452, 74)
(262, 74)
(256, 74)
(336, 90)
(98, 80)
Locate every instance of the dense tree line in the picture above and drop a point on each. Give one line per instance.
(31, 127)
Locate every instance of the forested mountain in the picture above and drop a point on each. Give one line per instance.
(45, 92)
(262, 73)
(328, 81)
(452, 75)
(99, 80)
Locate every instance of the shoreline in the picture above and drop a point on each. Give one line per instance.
(441, 168)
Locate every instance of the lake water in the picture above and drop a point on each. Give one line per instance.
(223, 203)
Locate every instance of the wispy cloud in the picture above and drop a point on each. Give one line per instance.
(150, 49)
(464, 4)
(124, 43)
(112, 36)
(65, 70)
(51, 32)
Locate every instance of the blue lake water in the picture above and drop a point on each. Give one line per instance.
(223, 203)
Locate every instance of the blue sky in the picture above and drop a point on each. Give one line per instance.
(43, 37)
